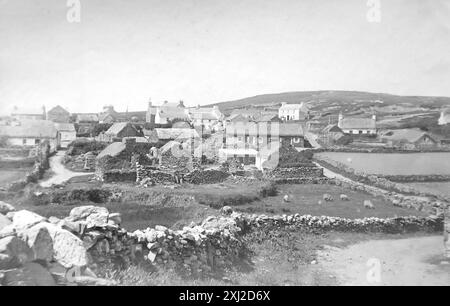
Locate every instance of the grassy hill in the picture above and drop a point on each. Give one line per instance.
(347, 101)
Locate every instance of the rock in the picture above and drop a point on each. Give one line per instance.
(7, 231)
(93, 215)
(24, 219)
(31, 274)
(226, 210)
(54, 220)
(92, 281)
(115, 217)
(4, 221)
(40, 241)
(68, 249)
(76, 227)
(6, 208)
(14, 252)
(344, 197)
(160, 228)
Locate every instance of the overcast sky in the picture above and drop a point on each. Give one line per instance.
(202, 51)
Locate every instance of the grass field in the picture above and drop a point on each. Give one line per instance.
(303, 199)
(8, 176)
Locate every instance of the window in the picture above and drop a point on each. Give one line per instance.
(360, 132)
(37, 141)
(24, 141)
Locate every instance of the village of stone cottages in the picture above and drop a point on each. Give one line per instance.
(258, 191)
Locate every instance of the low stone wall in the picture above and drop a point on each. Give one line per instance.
(416, 178)
(295, 172)
(302, 180)
(125, 175)
(70, 250)
(206, 176)
(41, 164)
(325, 223)
(154, 175)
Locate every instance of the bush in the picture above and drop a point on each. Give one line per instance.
(82, 146)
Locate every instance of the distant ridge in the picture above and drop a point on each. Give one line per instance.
(333, 97)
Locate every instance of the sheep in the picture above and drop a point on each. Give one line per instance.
(368, 204)
(286, 198)
(327, 197)
(344, 197)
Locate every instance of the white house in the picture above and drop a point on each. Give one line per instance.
(208, 117)
(288, 112)
(66, 134)
(358, 126)
(166, 113)
(29, 133)
(445, 117)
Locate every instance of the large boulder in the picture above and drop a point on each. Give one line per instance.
(68, 249)
(23, 219)
(6, 208)
(93, 215)
(14, 252)
(39, 240)
(31, 274)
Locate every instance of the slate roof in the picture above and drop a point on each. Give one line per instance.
(273, 129)
(113, 149)
(30, 129)
(357, 123)
(116, 128)
(66, 127)
(409, 135)
(331, 128)
(171, 133)
(87, 117)
(58, 110)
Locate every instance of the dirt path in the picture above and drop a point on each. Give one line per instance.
(60, 173)
(411, 261)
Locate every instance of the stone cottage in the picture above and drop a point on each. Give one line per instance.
(358, 126)
(30, 133)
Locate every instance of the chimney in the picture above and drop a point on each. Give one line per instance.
(340, 118)
(149, 103)
(181, 104)
(44, 112)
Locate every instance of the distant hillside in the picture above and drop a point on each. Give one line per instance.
(349, 101)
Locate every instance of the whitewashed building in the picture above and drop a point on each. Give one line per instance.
(445, 117)
(66, 134)
(289, 112)
(358, 126)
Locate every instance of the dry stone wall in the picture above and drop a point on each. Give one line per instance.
(73, 249)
